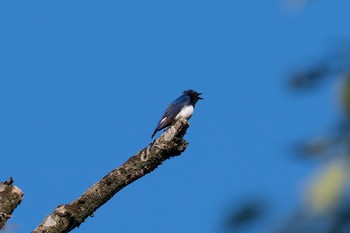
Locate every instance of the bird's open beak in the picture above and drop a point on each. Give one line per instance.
(200, 98)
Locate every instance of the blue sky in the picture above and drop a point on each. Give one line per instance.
(83, 84)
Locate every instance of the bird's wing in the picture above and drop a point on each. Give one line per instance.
(172, 110)
(175, 107)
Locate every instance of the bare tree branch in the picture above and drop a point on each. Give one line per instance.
(10, 198)
(67, 217)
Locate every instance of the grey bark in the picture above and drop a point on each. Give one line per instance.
(68, 216)
(10, 198)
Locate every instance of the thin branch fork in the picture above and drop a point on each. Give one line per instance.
(66, 217)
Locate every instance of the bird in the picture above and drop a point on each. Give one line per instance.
(181, 107)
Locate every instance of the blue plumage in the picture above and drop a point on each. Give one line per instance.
(181, 107)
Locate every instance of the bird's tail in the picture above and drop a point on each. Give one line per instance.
(154, 132)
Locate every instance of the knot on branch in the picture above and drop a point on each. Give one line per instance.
(71, 213)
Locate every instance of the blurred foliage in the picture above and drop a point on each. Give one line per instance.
(244, 214)
(338, 140)
(334, 65)
(326, 204)
(345, 97)
(309, 78)
(324, 192)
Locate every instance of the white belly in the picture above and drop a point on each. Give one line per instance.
(186, 112)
